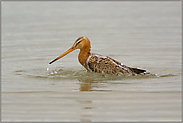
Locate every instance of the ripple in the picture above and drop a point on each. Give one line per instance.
(81, 74)
(167, 75)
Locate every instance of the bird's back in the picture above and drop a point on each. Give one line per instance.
(104, 64)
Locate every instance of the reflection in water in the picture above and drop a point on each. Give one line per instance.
(85, 114)
(92, 85)
(85, 86)
(85, 120)
(88, 81)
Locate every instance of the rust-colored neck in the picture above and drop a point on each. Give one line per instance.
(83, 55)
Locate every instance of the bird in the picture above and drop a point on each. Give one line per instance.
(94, 62)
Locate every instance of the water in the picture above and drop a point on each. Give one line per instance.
(138, 34)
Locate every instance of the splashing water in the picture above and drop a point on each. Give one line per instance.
(47, 69)
(82, 74)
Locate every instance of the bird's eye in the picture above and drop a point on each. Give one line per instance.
(79, 42)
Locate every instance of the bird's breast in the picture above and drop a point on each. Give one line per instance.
(82, 57)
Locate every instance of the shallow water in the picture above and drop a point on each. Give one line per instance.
(138, 34)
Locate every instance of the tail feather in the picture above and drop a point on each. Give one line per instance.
(139, 71)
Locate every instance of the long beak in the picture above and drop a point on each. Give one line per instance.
(68, 51)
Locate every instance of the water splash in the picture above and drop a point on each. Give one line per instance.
(47, 69)
(81, 74)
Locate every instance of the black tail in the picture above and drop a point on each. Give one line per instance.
(139, 71)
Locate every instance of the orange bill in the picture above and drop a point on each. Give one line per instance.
(67, 52)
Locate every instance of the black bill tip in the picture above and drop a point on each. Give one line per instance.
(52, 61)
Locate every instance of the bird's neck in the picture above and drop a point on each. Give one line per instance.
(83, 56)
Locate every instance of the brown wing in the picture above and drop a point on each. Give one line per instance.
(98, 63)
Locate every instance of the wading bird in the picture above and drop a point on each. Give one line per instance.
(94, 62)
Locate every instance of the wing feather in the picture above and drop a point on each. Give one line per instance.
(98, 63)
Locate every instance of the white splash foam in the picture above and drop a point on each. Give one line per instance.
(47, 69)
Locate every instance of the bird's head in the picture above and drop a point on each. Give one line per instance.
(80, 43)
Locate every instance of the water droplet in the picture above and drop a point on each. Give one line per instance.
(47, 69)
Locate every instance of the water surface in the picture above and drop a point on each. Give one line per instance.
(138, 34)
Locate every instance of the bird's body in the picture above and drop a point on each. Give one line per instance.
(98, 63)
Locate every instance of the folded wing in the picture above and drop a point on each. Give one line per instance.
(98, 63)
